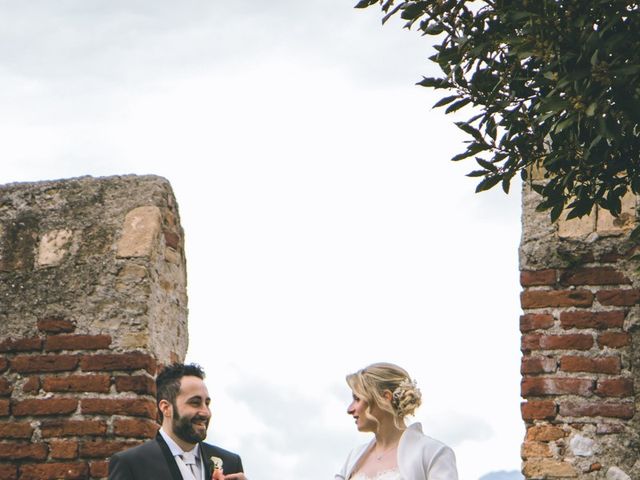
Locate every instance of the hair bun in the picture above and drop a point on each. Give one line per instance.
(406, 398)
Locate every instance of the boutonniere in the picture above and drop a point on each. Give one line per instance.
(216, 471)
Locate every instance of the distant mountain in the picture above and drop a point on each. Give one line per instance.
(503, 475)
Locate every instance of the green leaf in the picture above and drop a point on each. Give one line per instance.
(488, 183)
(487, 165)
(465, 127)
(457, 105)
(365, 3)
(477, 173)
(445, 100)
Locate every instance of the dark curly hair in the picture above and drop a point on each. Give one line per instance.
(169, 379)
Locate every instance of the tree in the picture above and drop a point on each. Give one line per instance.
(548, 83)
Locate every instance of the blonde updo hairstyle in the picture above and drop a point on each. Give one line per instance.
(371, 382)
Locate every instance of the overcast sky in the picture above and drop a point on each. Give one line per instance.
(325, 226)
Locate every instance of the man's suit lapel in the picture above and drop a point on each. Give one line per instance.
(206, 461)
(171, 462)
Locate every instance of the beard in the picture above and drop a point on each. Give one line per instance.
(184, 429)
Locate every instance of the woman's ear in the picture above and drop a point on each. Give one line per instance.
(388, 395)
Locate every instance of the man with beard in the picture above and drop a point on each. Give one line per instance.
(178, 451)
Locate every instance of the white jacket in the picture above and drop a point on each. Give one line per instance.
(419, 457)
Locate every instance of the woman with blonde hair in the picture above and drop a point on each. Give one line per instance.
(383, 396)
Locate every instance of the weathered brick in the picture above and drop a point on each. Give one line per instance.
(538, 410)
(530, 278)
(533, 365)
(123, 361)
(609, 428)
(594, 276)
(23, 451)
(63, 449)
(8, 472)
(588, 319)
(545, 433)
(619, 297)
(99, 469)
(44, 363)
(72, 428)
(44, 406)
(556, 298)
(78, 383)
(4, 364)
(615, 387)
(535, 450)
(56, 325)
(32, 385)
(541, 386)
(133, 427)
(535, 321)
(139, 407)
(530, 342)
(614, 339)
(4, 408)
(597, 409)
(572, 363)
(139, 384)
(171, 239)
(55, 471)
(576, 341)
(548, 468)
(104, 448)
(611, 257)
(15, 430)
(5, 387)
(55, 343)
(21, 345)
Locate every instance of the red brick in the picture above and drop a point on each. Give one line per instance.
(55, 471)
(139, 384)
(615, 387)
(5, 387)
(103, 448)
(611, 257)
(571, 363)
(556, 298)
(545, 433)
(16, 430)
(4, 364)
(533, 365)
(72, 428)
(614, 339)
(530, 342)
(535, 321)
(541, 386)
(4, 408)
(44, 363)
(123, 361)
(576, 341)
(23, 451)
(99, 469)
(609, 428)
(8, 472)
(538, 410)
(44, 406)
(20, 345)
(56, 343)
(597, 409)
(139, 407)
(56, 325)
(530, 278)
(32, 385)
(599, 320)
(594, 276)
(136, 428)
(619, 298)
(78, 383)
(63, 449)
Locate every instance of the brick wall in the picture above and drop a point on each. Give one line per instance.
(579, 328)
(92, 300)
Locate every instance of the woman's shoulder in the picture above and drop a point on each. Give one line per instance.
(414, 437)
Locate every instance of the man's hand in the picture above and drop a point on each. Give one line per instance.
(235, 476)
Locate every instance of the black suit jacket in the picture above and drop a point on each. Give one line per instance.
(153, 461)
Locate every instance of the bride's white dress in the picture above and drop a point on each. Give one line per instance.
(391, 474)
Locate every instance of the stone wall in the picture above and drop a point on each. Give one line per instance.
(92, 300)
(579, 336)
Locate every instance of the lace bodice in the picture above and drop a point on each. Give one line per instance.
(391, 474)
